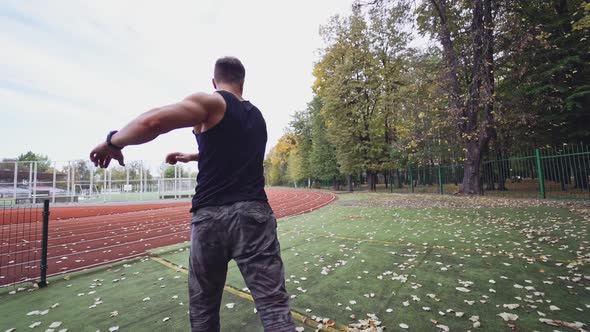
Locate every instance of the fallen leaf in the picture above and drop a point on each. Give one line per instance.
(507, 316)
(511, 306)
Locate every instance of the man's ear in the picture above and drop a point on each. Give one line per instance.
(214, 83)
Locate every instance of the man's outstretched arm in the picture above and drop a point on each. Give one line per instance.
(190, 112)
(174, 157)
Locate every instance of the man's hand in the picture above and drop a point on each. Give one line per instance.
(102, 154)
(174, 157)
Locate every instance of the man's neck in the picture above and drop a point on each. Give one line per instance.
(231, 88)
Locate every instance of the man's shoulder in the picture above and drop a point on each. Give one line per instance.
(205, 97)
(211, 102)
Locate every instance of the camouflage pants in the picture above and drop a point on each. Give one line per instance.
(245, 232)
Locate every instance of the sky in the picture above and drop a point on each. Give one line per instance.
(71, 71)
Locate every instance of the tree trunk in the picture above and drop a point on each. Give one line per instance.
(503, 169)
(399, 179)
(349, 182)
(335, 183)
(490, 176)
(372, 180)
(430, 176)
(475, 114)
(471, 177)
(419, 178)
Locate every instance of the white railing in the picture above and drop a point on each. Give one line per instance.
(79, 180)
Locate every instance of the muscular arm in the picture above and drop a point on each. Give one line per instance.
(190, 112)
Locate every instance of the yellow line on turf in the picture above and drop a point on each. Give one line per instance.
(295, 314)
(169, 265)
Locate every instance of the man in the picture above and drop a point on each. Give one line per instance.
(231, 218)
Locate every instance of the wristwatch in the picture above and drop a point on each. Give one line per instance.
(109, 143)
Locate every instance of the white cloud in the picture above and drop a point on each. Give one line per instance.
(85, 68)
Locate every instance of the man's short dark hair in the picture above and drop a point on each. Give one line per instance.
(229, 70)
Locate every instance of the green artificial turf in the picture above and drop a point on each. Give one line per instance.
(420, 267)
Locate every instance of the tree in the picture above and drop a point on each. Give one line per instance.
(295, 166)
(299, 165)
(323, 161)
(470, 75)
(277, 160)
(43, 162)
(545, 85)
(173, 171)
(348, 82)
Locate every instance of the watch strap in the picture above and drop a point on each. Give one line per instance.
(110, 144)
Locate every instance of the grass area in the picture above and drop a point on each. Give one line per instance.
(415, 265)
(140, 295)
(88, 301)
(418, 260)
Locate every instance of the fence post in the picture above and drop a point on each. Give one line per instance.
(540, 173)
(53, 184)
(35, 182)
(440, 182)
(30, 183)
(15, 180)
(43, 281)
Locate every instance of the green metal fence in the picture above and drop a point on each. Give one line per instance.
(543, 173)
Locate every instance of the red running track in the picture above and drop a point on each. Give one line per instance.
(83, 237)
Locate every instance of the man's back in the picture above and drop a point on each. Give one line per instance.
(231, 216)
(231, 156)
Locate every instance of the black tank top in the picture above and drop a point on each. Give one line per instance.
(231, 156)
